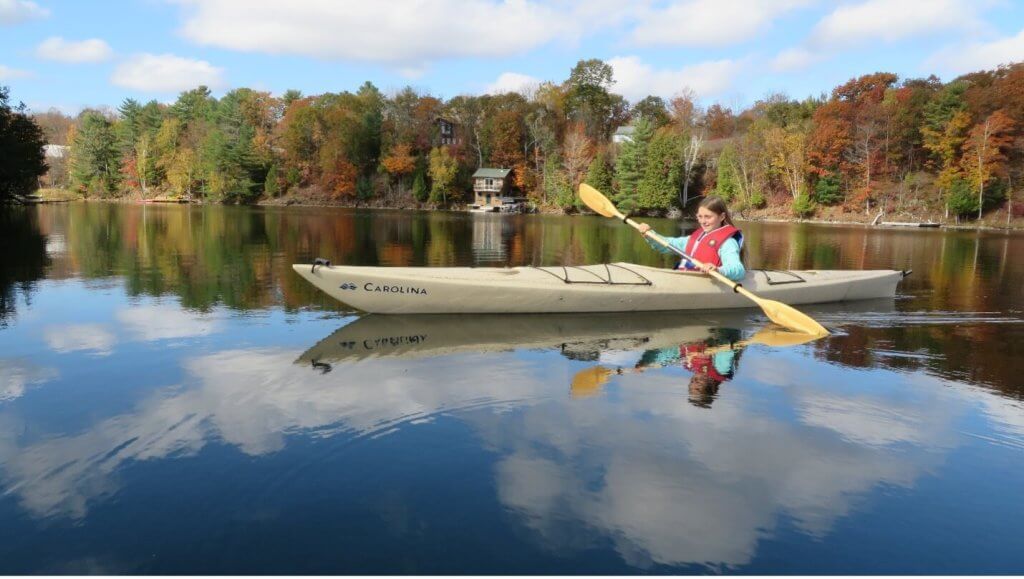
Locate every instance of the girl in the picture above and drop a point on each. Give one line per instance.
(716, 243)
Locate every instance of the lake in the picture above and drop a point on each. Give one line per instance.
(174, 399)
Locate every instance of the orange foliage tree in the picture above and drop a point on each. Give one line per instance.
(984, 154)
(400, 162)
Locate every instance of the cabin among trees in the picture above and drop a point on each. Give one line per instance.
(492, 190)
(623, 134)
(446, 132)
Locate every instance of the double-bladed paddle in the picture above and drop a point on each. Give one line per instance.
(778, 312)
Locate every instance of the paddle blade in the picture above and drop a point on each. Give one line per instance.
(588, 382)
(597, 201)
(780, 338)
(789, 317)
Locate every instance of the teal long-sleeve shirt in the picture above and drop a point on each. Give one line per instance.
(729, 252)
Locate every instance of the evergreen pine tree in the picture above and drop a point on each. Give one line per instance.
(599, 174)
(727, 185)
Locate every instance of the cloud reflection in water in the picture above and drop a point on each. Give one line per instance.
(665, 481)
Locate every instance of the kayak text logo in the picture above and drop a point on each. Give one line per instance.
(394, 289)
(347, 286)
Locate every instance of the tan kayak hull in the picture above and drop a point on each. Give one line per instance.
(620, 287)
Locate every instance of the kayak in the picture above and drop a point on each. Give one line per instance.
(613, 287)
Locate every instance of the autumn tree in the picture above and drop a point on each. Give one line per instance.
(720, 121)
(507, 138)
(444, 170)
(468, 113)
(576, 151)
(984, 151)
(946, 123)
(400, 162)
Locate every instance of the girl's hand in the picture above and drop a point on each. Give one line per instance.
(643, 228)
(708, 268)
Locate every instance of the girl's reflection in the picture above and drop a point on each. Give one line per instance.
(712, 361)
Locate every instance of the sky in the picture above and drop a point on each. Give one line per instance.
(71, 54)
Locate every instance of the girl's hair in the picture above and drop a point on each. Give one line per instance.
(716, 204)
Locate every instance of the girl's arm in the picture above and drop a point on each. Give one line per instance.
(677, 242)
(732, 267)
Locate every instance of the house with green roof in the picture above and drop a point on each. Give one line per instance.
(492, 190)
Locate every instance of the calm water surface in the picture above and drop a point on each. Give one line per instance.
(174, 399)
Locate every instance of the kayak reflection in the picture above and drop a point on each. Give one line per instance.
(584, 337)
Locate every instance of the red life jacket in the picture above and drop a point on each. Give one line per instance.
(700, 363)
(704, 246)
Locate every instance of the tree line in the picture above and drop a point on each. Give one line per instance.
(875, 143)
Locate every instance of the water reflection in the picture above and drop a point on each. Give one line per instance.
(24, 257)
(172, 349)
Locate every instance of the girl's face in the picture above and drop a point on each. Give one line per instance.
(708, 219)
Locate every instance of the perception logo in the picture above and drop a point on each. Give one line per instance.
(347, 286)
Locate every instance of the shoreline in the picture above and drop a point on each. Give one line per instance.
(57, 196)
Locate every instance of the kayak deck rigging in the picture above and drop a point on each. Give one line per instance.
(608, 279)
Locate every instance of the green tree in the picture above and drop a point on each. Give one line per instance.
(960, 197)
(419, 187)
(629, 166)
(589, 101)
(828, 190)
(663, 171)
(364, 188)
(95, 159)
(272, 185)
(803, 205)
(727, 185)
(599, 173)
(557, 187)
(653, 109)
(291, 95)
(21, 140)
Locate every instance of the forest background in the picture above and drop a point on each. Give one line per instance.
(912, 149)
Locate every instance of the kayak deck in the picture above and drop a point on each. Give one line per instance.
(621, 287)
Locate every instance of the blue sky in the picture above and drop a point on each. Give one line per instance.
(71, 54)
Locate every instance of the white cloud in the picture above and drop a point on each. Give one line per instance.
(512, 82)
(403, 32)
(17, 375)
(710, 22)
(891, 20)
(166, 73)
(94, 338)
(635, 79)
(7, 73)
(16, 11)
(150, 323)
(795, 59)
(980, 55)
(91, 50)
